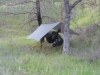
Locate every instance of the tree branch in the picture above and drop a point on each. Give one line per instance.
(24, 2)
(74, 4)
(32, 19)
(6, 13)
(45, 1)
(20, 30)
(77, 25)
(51, 19)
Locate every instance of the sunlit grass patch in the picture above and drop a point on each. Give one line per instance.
(86, 19)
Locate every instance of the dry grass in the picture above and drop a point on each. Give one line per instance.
(88, 32)
(86, 46)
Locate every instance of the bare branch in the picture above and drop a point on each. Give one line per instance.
(46, 1)
(24, 2)
(75, 3)
(32, 19)
(6, 13)
(19, 31)
(77, 25)
(51, 19)
(85, 12)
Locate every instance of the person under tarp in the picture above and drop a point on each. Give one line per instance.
(46, 31)
(54, 37)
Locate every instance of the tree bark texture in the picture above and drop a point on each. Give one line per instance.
(38, 12)
(66, 28)
(68, 9)
(39, 19)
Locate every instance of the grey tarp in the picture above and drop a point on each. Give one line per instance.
(70, 30)
(42, 30)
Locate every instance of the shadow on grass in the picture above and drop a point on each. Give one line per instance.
(46, 49)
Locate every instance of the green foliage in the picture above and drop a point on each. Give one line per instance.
(19, 61)
(87, 18)
(19, 56)
(24, 57)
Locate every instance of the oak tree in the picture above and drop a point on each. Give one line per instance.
(68, 9)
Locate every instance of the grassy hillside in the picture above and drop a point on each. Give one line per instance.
(19, 56)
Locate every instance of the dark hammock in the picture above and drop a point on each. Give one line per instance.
(55, 38)
(51, 37)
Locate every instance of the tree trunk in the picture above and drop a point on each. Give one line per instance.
(68, 9)
(39, 19)
(38, 12)
(66, 28)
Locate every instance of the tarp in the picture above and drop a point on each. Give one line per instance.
(42, 30)
(70, 30)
